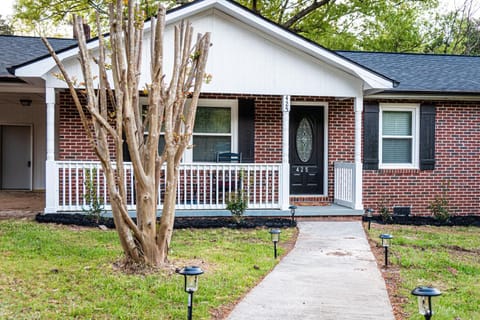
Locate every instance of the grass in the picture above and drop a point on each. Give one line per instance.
(59, 272)
(447, 258)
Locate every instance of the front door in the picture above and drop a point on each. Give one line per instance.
(306, 150)
(15, 157)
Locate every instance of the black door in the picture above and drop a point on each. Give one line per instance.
(306, 150)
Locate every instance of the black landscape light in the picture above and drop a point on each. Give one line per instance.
(292, 212)
(386, 239)
(369, 216)
(425, 295)
(190, 275)
(275, 234)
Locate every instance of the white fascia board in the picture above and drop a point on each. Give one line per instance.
(41, 67)
(428, 97)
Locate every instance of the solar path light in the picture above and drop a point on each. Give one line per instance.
(292, 212)
(275, 234)
(369, 216)
(425, 295)
(386, 239)
(190, 275)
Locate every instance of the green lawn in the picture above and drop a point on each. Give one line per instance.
(60, 272)
(447, 258)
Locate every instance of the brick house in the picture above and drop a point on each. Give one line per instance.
(321, 129)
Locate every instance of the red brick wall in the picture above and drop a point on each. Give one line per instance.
(457, 168)
(72, 139)
(457, 152)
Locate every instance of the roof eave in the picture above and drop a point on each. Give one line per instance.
(424, 95)
(371, 79)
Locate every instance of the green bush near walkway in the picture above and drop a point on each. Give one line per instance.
(61, 272)
(447, 258)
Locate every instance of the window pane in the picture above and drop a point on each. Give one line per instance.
(206, 148)
(397, 123)
(397, 151)
(212, 120)
(161, 144)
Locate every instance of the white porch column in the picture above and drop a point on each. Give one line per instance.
(51, 176)
(358, 181)
(285, 175)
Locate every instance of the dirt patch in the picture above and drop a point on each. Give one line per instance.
(21, 204)
(391, 275)
(468, 220)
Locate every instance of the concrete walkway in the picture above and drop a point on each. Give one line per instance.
(330, 274)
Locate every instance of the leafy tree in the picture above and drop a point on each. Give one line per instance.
(42, 15)
(5, 26)
(119, 57)
(381, 25)
(456, 32)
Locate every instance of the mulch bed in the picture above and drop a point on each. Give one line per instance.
(427, 220)
(180, 222)
(85, 220)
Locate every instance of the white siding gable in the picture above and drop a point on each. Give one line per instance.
(249, 55)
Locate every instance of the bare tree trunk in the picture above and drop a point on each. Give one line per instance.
(143, 241)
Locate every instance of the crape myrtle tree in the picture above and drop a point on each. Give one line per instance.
(113, 111)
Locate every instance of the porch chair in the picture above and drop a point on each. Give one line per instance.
(227, 157)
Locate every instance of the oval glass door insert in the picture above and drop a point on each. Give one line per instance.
(304, 140)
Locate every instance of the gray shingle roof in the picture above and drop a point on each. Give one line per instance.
(423, 72)
(15, 50)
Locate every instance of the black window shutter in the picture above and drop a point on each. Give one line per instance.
(126, 153)
(427, 137)
(370, 136)
(246, 129)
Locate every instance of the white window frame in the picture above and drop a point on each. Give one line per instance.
(218, 103)
(415, 110)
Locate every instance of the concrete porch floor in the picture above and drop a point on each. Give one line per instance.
(29, 203)
(317, 211)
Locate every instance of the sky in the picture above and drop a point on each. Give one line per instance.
(446, 5)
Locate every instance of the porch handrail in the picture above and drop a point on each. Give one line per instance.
(344, 185)
(200, 185)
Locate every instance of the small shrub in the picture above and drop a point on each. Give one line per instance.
(94, 204)
(439, 207)
(384, 210)
(237, 203)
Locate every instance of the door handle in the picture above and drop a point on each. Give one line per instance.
(29, 164)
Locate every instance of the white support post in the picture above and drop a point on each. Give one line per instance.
(358, 181)
(51, 174)
(285, 174)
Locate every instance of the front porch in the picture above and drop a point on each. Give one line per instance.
(203, 189)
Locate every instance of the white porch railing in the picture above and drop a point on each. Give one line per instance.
(200, 186)
(344, 180)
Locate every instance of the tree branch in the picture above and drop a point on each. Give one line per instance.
(304, 12)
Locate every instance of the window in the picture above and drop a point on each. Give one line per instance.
(399, 130)
(215, 130)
